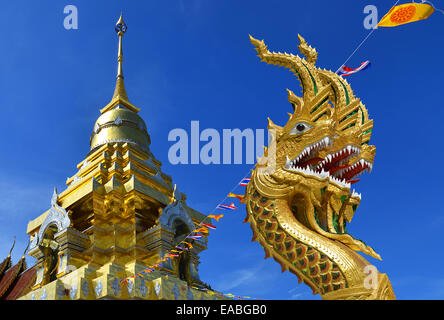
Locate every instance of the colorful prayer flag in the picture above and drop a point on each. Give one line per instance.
(238, 196)
(244, 182)
(216, 217)
(227, 207)
(406, 13)
(190, 246)
(208, 225)
(346, 71)
(203, 230)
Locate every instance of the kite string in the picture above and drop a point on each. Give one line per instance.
(353, 53)
(362, 42)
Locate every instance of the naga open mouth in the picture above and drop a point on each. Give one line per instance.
(334, 165)
(308, 156)
(335, 160)
(352, 171)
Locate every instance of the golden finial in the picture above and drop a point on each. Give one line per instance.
(120, 91)
(27, 247)
(10, 251)
(120, 96)
(120, 30)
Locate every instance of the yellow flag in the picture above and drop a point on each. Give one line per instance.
(216, 217)
(190, 246)
(238, 196)
(202, 230)
(406, 13)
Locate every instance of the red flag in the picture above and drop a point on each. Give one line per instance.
(208, 225)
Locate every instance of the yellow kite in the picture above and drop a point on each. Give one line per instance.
(406, 13)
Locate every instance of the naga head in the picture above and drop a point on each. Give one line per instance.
(321, 150)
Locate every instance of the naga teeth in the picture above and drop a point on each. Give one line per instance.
(352, 151)
(367, 166)
(355, 194)
(323, 174)
(308, 171)
(340, 182)
(309, 150)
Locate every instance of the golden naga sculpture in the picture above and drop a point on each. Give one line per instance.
(298, 212)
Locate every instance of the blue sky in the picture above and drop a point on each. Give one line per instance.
(192, 60)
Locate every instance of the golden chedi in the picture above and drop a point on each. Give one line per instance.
(118, 215)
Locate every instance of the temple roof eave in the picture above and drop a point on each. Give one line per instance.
(10, 277)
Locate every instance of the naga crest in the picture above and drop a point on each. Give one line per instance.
(319, 154)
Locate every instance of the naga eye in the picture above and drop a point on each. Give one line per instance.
(300, 128)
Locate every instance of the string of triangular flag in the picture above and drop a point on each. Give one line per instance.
(200, 231)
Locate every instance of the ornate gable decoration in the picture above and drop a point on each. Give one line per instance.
(176, 210)
(57, 216)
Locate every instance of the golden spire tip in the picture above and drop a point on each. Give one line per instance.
(120, 29)
(121, 26)
(120, 21)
